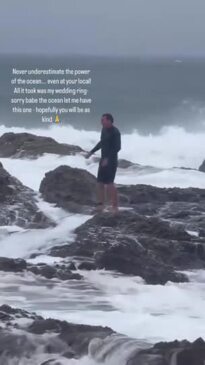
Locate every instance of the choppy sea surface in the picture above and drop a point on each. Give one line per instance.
(142, 94)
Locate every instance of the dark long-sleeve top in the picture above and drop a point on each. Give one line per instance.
(110, 143)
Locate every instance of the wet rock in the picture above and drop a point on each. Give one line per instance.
(161, 220)
(124, 164)
(27, 145)
(126, 259)
(43, 336)
(137, 194)
(13, 265)
(184, 206)
(202, 167)
(76, 335)
(50, 362)
(59, 340)
(19, 204)
(61, 272)
(46, 271)
(15, 313)
(131, 244)
(53, 361)
(202, 232)
(70, 188)
(176, 352)
(141, 169)
(86, 265)
(64, 187)
(71, 266)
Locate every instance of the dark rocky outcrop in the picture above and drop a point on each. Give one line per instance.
(122, 163)
(63, 340)
(185, 206)
(184, 168)
(70, 188)
(125, 164)
(58, 271)
(27, 145)
(12, 265)
(59, 340)
(8, 314)
(87, 265)
(134, 244)
(202, 167)
(168, 353)
(140, 193)
(141, 169)
(74, 189)
(61, 272)
(150, 241)
(18, 204)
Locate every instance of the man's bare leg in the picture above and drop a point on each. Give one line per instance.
(100, 196)
(113, 196)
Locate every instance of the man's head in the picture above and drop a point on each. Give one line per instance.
(107, 120)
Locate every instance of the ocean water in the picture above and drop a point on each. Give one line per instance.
(142, 94)
(173, 147)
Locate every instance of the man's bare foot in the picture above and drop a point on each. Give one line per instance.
(99, 208)
(114, 210)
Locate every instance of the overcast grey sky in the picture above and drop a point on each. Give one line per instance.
(109, 27)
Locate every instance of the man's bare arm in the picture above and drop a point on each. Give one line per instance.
(96, 148)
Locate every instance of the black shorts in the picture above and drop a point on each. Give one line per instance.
(106, 174)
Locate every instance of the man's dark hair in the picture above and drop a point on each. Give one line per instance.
(109, 117)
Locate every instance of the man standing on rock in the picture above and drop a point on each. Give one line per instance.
(110, 145)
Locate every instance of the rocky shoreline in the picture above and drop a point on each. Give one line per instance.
(158, 234)
(19, 204)
(27, 145)
(22, 333)
(153, 240)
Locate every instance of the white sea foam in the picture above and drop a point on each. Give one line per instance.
(148, 312)
(173, 146)
(23, 244)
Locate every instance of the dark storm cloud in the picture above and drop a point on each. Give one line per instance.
(120, 27)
